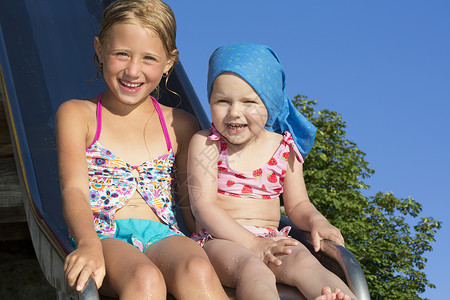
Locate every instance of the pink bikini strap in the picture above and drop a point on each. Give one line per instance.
(163, 123)
(99, 118)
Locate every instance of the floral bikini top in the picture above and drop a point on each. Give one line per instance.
(111, 182)
(266, 182)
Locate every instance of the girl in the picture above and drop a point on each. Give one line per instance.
(116, 155)
(252, 154)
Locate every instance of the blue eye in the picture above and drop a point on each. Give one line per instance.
(149, 58)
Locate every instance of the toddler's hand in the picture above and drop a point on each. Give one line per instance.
(268, 248)
(324, 230)
(82, 263)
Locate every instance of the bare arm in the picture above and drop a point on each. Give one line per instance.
(71, 132)
(185, 127)
(301, 211)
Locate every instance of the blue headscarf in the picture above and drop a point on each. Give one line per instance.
(261, 68)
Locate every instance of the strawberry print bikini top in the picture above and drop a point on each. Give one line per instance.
(111, 182)
(266, 182)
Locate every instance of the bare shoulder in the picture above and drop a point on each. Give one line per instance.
(203, 149)
(201, 136)
(184, 120)
(272, 140)
(200, 141)
(274, 136)
(77, 119)
(76, 108)
(181, 122)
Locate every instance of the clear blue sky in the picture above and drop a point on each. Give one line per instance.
(384, 65)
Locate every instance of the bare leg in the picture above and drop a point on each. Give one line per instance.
(303, 270)
(238, 267)
(129, 273)
(186, 269)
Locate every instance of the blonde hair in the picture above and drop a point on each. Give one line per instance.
(151, 14)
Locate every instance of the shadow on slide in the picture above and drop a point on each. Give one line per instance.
(46, 50)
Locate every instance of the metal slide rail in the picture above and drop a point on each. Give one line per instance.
(336, 258)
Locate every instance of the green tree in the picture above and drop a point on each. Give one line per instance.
(377, 229)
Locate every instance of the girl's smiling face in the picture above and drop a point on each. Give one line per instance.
(134, 60)
(237, 111)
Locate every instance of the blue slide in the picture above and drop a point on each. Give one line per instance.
(46, 50)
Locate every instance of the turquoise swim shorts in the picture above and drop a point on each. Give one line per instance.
(140, 233)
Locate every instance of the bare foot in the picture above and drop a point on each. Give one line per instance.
(340, 295)
(327, 294)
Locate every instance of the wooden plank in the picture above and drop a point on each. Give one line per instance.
(11, 192)
(13, 221)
